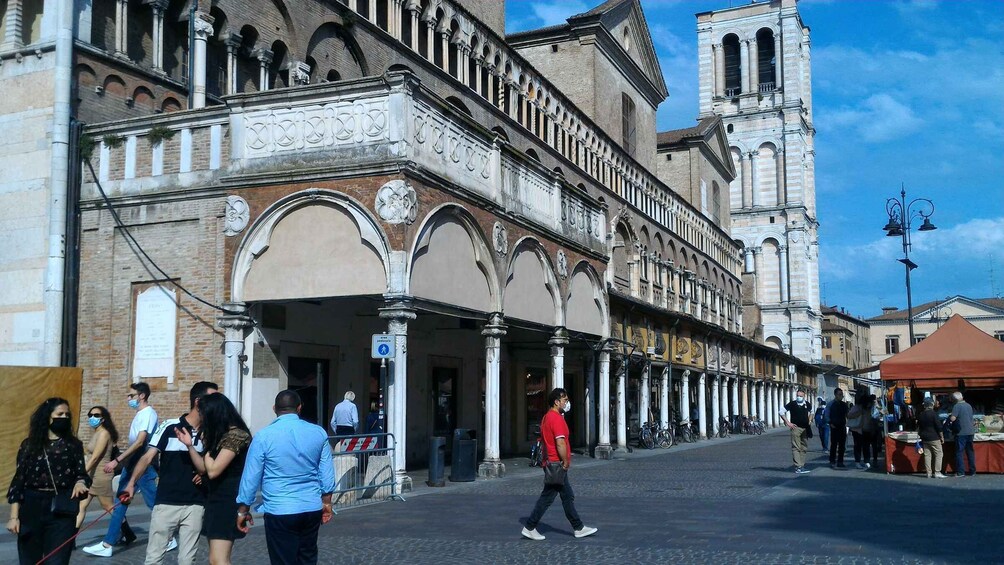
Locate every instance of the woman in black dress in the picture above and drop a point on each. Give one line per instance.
(226, 439)
(50, 461)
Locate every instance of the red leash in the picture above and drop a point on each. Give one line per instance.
(82, 530)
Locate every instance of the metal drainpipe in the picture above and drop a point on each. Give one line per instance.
(71, 276)
(191, 51)
(59, 170)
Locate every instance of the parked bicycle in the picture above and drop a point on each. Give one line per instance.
(684, 432)
(537, 455)
(724, 428)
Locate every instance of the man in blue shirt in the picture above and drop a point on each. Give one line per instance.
(345, 418)
(290, 461)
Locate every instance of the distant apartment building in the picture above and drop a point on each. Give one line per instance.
(846, 348)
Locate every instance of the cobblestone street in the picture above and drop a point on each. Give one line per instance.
(728, 501)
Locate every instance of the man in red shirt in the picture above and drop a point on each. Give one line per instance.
(554, 433)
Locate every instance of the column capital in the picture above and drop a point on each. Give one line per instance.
(397, 313)
(495, 326)
(158, 6)
(233, 42)
(263, 55)
(235, 317)
(559, 338)
(299, 73)
(203, 26)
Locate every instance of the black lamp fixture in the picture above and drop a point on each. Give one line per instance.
(901, 216)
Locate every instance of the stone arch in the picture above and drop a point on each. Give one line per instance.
(765, 57)
(531, 290)
(335, 49)
(451, 262)
(776, 341)
(85, 75)
(170, 104)
(312, 244)
(142, 98)
(766, 177)
(115, 86)
(620, 255)
(586, 305)
(731, 47)
(458, 104)
(769, 275)
(248, 66)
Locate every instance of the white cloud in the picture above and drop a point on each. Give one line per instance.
(554, 13)
(911, 7)
(878, 118)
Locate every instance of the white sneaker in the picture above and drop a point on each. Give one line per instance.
(867, 466)
(533, 534)
(172, 544)
(99, 550)
(940, 476)
(585, 532)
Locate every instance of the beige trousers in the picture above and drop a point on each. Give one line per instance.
(168, 520)
(799, 445)
(933, 450)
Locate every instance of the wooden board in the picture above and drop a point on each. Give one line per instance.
(23, 389)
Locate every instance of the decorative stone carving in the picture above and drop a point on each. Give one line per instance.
(562, 264)
(697, 351)
(500, 236)
(237, 215)
(682, 347)
(396, 202)
(316, 127)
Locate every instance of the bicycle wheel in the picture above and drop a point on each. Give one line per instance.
(662, 439)
(647, 440)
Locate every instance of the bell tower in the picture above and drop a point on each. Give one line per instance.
(755, 72)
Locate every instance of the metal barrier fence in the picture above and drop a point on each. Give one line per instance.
(364, 469)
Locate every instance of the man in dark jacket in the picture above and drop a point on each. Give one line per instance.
(824, 430)
(835, 416)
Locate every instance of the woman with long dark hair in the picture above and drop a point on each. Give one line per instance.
(50, 465)
(100, 450)
(226, 438)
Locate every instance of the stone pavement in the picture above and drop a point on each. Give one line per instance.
(720, 501)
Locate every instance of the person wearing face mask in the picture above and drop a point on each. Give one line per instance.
(799, 425)
(50, 462)
(143, 425)
(101, 449)
(554, 433)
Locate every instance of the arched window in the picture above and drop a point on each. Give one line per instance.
(102, 25)
(248, 66)
(766, 60)
(733, 70)
(453, 65)
(472, 65)
(278, 71)
(31, 21)
(216, 56)
(405, 22)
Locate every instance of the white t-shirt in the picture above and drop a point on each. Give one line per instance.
(144, 421)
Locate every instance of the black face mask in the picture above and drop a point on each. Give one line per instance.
(60, 426)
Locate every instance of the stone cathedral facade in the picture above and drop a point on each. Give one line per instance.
(755, 73)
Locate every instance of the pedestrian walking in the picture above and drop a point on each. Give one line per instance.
(835, 417)
(821, 426)
(929, 428)
(144, 423)
(856, 418)
(870, 422)
(962, 420)
(225, 438)
(799, 425)
(100, 450)
(49, 480)
(290, 462)
(176, 520)
(557, 445)
(345, 417)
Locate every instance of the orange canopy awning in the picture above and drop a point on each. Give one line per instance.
(957, 350)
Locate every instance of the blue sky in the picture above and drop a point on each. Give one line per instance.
(905, 92)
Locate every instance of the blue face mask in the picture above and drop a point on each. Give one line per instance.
(133, 403)
(94, 422)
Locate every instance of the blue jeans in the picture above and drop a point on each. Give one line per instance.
(147, 484)
(547, 497)
(965, 443)
(824, 436)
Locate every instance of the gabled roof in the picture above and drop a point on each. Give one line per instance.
(607, 16)
(957, 351)
(709, 131)
(994, 306)
(828, 326)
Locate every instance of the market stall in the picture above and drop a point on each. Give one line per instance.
(958, 356)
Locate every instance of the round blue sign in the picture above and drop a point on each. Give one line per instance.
(383, 349)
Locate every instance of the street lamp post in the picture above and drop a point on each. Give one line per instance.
(901, 216)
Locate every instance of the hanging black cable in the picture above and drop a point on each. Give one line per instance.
(139, 249)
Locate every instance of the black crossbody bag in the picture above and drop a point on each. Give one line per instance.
(554, 474)
(63, 503)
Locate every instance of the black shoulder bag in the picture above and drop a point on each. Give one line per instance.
(63, 503)
(554, 474)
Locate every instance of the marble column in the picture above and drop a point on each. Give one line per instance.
(603, 448)
(645, 392)
(158, 7)
(622, 368)
(747, 181)
(754, 66)
(493, 333)
(762, 401)
(398, 314)
(783, 252)
(415, 28)
(558, 342)
(782, 190)
(744, 65)
(716, 405)
(778, 61)
(755, 179)
(203, 30)
(121, 29)
(233, 43)
(264, 57)
(664, 397)
(719, 54)
(685, 396)
(734, 389)
(702, 405)
(235, 323)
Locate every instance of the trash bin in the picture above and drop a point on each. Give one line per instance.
(437, 461)
(463, 466)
